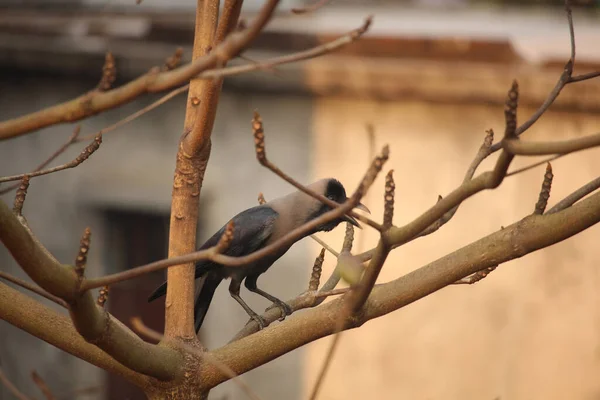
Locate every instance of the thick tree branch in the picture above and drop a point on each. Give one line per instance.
(46, 324)
(526, 236)
(92, 322)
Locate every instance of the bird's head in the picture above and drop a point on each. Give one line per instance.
(333, 190)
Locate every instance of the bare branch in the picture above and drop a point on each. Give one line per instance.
(94, 324)
(136, 114)
(41, 384)
(482, 154)
(109, 73)
(261, 156)
(310, 8)
(305, 300)
(56, 329)
(20, 196)
(519, 147)
(211, 254)
(315, 276)
(11, 387)
(532, 233)
(58, 152)
(33, 288)
(84, 155)
(534, 165)
(262, 200)
(95, 102)
(565, 78)
(540, 206)
(575, 196)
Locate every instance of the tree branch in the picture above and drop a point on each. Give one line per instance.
(575, 196)
(93, 323)
(521, 148)
(95, 102)
(33, 288)
(84, 155)
(46, 324)
(11, 387)
(526, 236)
(41, 384)
(565, 78)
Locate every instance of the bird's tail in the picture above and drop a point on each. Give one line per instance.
(205, 297)
(159, 292)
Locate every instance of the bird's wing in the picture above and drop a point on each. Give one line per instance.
(251, 229)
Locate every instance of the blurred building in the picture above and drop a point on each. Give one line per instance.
(430, 80)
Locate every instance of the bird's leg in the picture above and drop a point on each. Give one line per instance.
(250, 284)
(234, 291)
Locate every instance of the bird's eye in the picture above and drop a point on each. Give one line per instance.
(330, 197)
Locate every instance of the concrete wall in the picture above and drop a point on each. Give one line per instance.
(530, 330)
(133, 170)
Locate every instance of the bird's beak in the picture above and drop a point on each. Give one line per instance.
(352, 220)
(362, 207)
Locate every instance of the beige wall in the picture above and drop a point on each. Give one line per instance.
(529, 331)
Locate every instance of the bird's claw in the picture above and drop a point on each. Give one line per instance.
(285, 310)
(259, 320)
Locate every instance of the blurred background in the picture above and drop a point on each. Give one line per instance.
(431, 76)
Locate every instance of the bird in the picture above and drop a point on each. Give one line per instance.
(254, 229)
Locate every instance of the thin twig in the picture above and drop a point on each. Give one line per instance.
(52, 157)
(84, 155)
(482, 154)
(137, 114)
(575, 196)
(534, 165)
(262, 200)
(41, 384)
(261, 156)
(11, 387)
(565, 78)
(325, 366)
(95, 102)
(33, 288)
(142, 329)
(310, 7)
